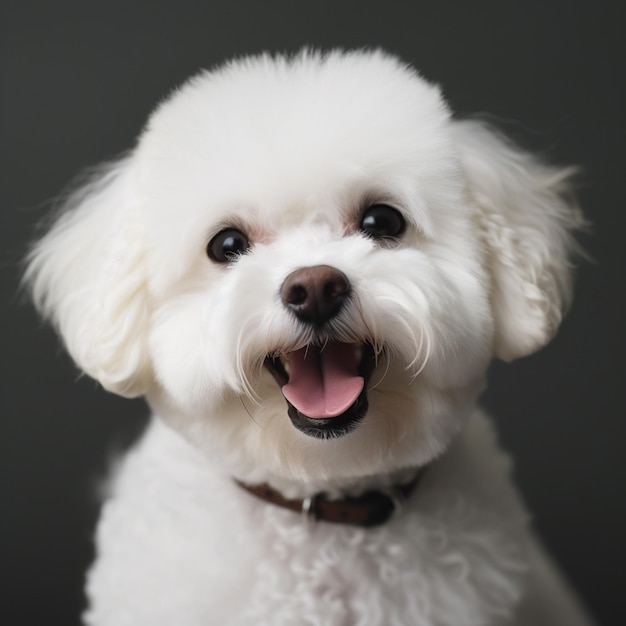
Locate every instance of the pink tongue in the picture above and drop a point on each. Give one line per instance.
(323, 382)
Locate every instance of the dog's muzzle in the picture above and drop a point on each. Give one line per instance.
(325, 385)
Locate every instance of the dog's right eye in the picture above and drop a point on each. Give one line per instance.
(227, 245)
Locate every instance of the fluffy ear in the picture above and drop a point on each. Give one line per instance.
(86, 276)
(528, 218)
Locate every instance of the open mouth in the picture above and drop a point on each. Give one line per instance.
(325, 387)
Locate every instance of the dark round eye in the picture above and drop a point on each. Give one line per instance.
(227, 245)
(381, 220)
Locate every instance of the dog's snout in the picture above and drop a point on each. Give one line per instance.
(315, 294)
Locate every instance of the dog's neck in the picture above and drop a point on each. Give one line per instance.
(371, 508)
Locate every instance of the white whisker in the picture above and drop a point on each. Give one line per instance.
(380, 380)
(242, 367)
(245, 408)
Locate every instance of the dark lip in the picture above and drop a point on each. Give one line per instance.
(333, 427)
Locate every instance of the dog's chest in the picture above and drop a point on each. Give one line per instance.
(171, 545)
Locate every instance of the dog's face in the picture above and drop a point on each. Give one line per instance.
(307, 266)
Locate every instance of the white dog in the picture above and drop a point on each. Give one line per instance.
(305, 266)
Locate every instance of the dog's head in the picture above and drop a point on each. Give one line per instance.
(306, 265)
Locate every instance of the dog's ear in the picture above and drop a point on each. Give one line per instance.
(86, 275)
(528, 218)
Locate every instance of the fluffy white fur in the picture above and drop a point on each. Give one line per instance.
(291, 152)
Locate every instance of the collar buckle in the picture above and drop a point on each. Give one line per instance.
(309, 508)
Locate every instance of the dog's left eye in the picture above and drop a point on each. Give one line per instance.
(227, 245)
(381, 220)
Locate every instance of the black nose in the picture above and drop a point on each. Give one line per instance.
(315, 294)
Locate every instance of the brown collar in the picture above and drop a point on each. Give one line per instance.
(369, 509)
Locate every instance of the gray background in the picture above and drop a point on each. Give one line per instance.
(77, 81)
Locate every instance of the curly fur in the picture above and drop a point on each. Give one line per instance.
(452, 557)
(291, 152)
